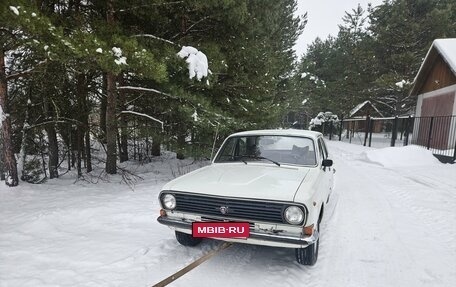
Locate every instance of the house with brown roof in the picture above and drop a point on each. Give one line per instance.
(435, 89)
(365, 109)
(362, 111)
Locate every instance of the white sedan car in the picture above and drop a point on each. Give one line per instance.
(277, 181)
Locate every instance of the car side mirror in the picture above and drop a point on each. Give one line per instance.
(327, 163)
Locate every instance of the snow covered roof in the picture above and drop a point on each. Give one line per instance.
(444, 47)
(447, 48)
(361, 105)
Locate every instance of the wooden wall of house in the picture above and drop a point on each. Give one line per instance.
(440, 76)
(440, 107)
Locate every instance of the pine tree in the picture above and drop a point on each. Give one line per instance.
(375, 63)
(403, 32)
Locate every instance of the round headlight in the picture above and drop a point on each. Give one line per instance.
(294, 215)
(169, 201)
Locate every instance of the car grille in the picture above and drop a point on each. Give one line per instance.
(249, 210)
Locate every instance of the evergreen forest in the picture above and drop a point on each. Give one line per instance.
(90, 84)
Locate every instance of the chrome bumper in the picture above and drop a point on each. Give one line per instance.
(256, 237)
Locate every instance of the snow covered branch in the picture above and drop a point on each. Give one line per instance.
(190, 27)
(150, 5)
(156, 38)
(141, 89)
(27, 127)
(143, 115)
(25, 72)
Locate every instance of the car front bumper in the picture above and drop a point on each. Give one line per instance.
(257, 237)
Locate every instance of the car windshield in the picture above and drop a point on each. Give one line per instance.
(279, 149)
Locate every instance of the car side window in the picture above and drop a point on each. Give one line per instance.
(228, 150)
(321, 149)
(240, 147)
(325, 150)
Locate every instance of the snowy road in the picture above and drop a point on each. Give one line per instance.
(387, 226)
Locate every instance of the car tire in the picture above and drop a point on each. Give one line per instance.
(187, 239)
(308, 255)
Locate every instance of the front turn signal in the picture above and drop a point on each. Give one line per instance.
(308, 230)
(162, 213)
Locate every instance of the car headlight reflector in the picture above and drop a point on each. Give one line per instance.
(169, 201)
(294, 215)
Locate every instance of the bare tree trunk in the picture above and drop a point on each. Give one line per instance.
(180, 146)
(111, 125)
(156, 143)
(69, 147)
(74, 145)
(123, 139)
(80, 116)
(23, 152)
(53, 151)
(53, 144)
(103, 111)
(88, 152)
(2, 162)
(123, 148)
(8, 150)
(79, 145)
(111, 119)
(134, 140)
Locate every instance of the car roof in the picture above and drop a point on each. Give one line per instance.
(277, 132)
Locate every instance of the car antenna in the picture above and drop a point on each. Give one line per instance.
(215, 139)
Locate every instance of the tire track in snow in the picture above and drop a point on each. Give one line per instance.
(422, 230)
(245, 265)
(363, 234)
(399, 181)
(434, 210)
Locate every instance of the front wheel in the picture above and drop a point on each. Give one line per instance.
(308, 255)
(187, 239)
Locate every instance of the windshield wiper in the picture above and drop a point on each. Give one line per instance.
(273, 161)
(233, 158)
(257, 157)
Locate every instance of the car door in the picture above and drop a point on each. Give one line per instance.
(326, 172)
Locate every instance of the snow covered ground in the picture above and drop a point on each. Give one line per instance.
(392, 223)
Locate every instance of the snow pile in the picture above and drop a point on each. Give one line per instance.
(196, 60)
(400, 156)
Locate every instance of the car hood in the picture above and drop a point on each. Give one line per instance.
(258, 181)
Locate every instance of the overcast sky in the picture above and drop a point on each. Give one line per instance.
(324, 16)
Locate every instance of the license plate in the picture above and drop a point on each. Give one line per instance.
(221, 229)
